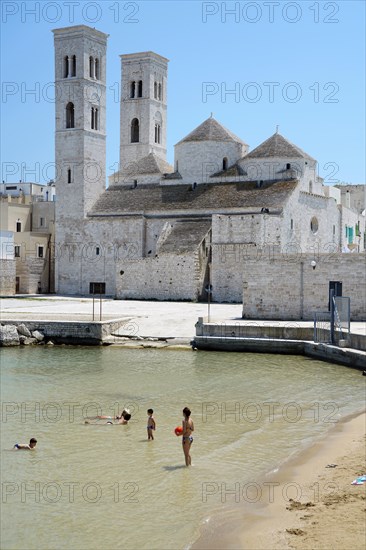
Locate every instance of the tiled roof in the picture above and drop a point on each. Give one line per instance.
(185, 236)
(277, 146)
(214, 197)
(151, 164)
(211, 130)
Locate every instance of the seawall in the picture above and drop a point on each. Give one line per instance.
(296, 340)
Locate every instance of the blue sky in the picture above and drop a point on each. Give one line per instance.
(299, 65)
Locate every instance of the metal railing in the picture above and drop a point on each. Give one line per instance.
(334, 325)
(322, 327)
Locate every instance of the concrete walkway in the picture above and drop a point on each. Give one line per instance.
(143, 318)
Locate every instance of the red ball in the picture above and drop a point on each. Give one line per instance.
(178, 430)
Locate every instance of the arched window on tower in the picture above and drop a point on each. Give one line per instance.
(224, 163)
(70, 115)
(139, 92)
(310, 186)
(157, 133)
(132, 89)
(159, 91)
(135, 131)
(96, 69)
(66, 66)
(73, 65)
(155, 90)
(91, 67)
(94, 118)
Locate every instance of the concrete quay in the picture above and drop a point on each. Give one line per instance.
(132, 323)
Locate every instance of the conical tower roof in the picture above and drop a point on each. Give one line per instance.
(211, 130)
(277, 146)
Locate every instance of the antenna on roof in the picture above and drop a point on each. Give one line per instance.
(211, 115)
(277, 129)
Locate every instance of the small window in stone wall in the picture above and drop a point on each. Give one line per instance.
(97, 250)
(314, 225)
(16, 251)
(66, 66)
(70, 115)
(19, 226)
(73, 65)
(41, 222)
(40, 252)
(292, 224)
(135, 131)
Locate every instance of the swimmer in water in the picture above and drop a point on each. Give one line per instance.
(122, 419)
(25, 446)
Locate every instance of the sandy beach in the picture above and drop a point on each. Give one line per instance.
(312, 504)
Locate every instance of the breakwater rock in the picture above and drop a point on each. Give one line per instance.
(17, 335)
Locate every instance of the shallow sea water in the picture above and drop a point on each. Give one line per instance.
(100, 486)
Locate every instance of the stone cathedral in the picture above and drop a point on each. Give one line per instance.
(165, 232)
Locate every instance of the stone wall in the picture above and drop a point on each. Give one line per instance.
(7, 277)
(315, 224)
(233, 239)
(285, 286)
(88, 251)
(167, 277)
(196, 161)
(84, 333)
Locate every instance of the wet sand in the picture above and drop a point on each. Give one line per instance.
(306, 504)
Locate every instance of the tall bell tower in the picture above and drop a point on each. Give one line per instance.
(80, 78)
(80, 143)
(143, 107)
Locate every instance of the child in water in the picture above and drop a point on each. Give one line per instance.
(151, 425)
(25, 446)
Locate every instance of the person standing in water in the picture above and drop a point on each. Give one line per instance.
(151, 425)
(187, 439)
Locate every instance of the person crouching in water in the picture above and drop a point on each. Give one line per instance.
(125, 417)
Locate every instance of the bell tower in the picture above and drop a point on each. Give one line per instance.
(143, 107)
(80, 81)
(80, 144)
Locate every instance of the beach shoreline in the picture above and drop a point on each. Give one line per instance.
(325, 511)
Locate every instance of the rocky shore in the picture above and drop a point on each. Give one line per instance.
(20, 335)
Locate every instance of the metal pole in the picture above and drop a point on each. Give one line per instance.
(331, 316)
(208, 305)
(100, 307)
(93, 304)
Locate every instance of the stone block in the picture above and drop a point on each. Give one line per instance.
(23, 330)
(9, 336)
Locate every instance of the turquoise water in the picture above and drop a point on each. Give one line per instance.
(101, 486)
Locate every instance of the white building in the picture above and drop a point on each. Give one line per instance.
(157, 229)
